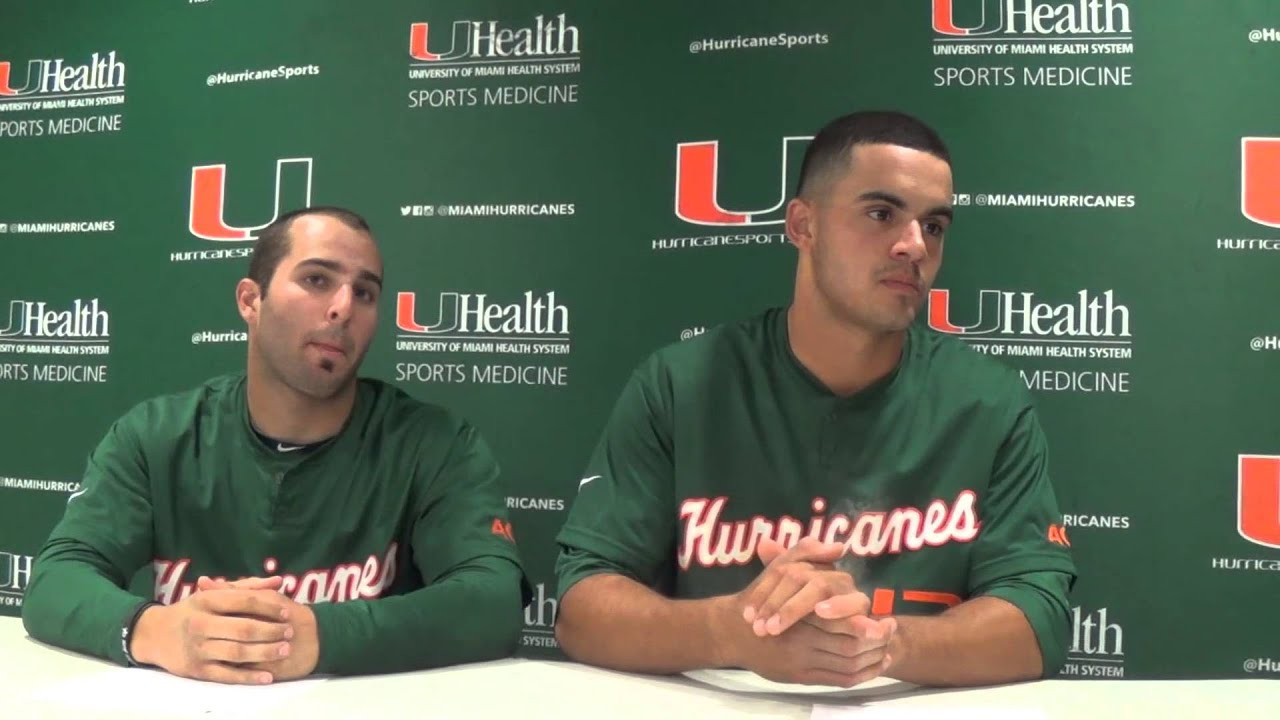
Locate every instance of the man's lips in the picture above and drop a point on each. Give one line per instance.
(902, 283)
(329, 348)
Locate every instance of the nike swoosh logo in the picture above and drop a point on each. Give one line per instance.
(584, 481)
(76, 494)
(281, 447)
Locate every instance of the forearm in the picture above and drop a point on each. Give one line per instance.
(470, 616)
(982, 641)
(76, 601)
(613, 621)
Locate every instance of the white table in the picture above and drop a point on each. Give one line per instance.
(518, 689)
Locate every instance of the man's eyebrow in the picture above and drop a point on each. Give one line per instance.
(338, 267)
(883, 196)
(941, 211)
(888, 197)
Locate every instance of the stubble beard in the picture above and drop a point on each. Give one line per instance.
(295, 372)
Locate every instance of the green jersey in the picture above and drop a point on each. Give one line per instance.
(935, 478)
(395, 530)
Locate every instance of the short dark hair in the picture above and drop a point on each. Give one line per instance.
(829, 150)
(274, 242)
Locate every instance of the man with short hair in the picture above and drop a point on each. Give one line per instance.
(299, 519)
(828, 492)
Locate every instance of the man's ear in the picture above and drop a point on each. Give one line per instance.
(799, 224)
(248, 300)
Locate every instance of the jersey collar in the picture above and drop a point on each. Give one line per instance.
(785, 357)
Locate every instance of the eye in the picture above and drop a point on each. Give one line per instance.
(316, 280)
(366, 294)
(879, 214)
(934, 229)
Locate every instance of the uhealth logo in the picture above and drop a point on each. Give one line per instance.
(1097, 645)
(63, 79)
(15, 573)
(1003, 313)
(490, 41)
(465, 316)
(207, 216)
(698, 180)
(35, 321)
(1027, 17)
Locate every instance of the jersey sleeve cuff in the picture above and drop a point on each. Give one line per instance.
(576, 564)
(334, 634)
(1045, 608)
(606, 552)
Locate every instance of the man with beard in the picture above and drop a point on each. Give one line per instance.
(299, 519)
(827, 492)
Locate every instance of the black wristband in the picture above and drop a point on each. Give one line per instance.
(126, 631)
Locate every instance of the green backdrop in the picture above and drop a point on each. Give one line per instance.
(609, 173)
